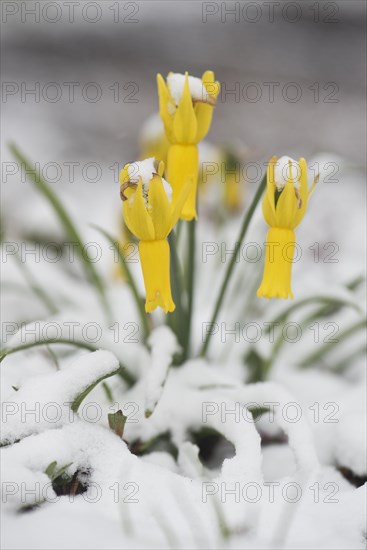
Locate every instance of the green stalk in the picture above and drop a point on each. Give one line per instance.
(178, 230)
(176, 319)
(67, 224)
(190, 283)
(319, 354)
(125, 374)
(229, 272)
(138, 300)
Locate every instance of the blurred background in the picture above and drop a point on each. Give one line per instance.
(93, 65)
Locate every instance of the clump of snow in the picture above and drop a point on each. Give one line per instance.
(145, 169)
(283, 168)
(350, 445)
(163, 344)
(82, 445)
(175, 83)
(44, 402)
(188, 460)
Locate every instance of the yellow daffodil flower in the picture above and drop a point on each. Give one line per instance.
(186, 107)
(232, 192)
(150, 213)
(284, 205)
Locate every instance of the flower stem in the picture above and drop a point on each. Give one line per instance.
(229, 272)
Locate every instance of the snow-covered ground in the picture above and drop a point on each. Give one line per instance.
(287, 479)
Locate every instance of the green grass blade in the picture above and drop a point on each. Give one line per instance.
(80, 398)
(230, 269)
(177, 319)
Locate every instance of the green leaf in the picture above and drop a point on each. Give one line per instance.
(107, 391)
(53, 472)
(78, 400)
(230, 269)
(116, 422)
(66, 222)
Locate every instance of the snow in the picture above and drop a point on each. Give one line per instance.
(45, 401)
(350, 444)
(163, 344)
(175, 83)
(282, 171)
(145, 169)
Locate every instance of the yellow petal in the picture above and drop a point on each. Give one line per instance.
(179, 204)
(136, 216)
(124, 174)
(303, 179)
(212, 86)
(204, 111)
(270, 182)
(160, 169)
(183, 165)
(268, 211)
(287, 205)
(204, 115)
(160, 208)
(165, 101)
(184, 121)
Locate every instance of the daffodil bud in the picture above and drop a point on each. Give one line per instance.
(186, 107)
(150, 213)
(284, 205)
